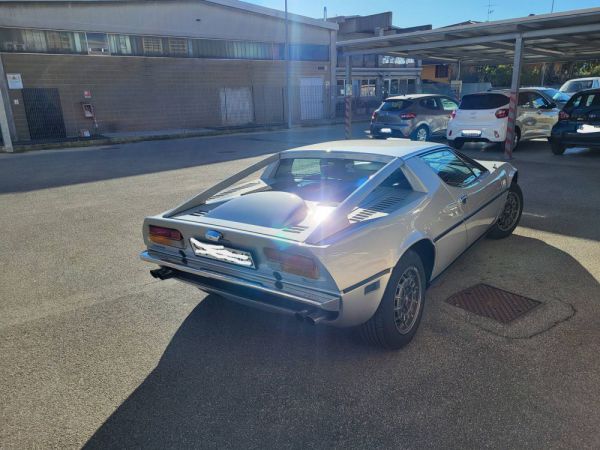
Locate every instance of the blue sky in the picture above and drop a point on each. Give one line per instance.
(435, 12)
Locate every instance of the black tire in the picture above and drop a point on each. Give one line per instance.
(456, 144)
(420, 131)
(517, 141)
(556, 146)
(382, 329)
(510, 215)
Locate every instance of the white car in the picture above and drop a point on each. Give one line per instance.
(346, 233)
(579, 84)
(483, 117)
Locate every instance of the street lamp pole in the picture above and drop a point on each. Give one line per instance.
(288, 70)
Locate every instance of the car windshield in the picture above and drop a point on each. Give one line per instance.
(556, 95)
(323, 179)
(395, 105)
(483, 101)
(576, 85)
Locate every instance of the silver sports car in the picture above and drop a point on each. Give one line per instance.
(347, 233)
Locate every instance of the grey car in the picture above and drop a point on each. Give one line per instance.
(417, 116)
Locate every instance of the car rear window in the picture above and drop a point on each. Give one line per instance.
(584, 100)
(395, 105)
(483, 101)
(576, 85)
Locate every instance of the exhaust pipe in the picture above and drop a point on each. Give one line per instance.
(162, 273)
(317, 317)
(301, 315)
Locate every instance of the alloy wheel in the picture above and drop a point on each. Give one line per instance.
(510, 214)
(407, 300)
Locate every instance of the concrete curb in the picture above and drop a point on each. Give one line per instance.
(93, 142)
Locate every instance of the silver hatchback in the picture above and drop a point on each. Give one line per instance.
(417, 116)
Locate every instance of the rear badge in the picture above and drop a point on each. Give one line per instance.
(213, 235)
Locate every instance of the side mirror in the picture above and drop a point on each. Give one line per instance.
(552, 105)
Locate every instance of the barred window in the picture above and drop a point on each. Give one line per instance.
(35, 41)
(178, 46)
(152, 45)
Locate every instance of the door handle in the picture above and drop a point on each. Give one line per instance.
(463, 199)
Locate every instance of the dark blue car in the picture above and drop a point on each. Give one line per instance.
(578, 123)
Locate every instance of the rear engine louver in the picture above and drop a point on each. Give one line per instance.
(295, 229)
(236, 189)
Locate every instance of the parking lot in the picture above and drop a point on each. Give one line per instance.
(95, 352)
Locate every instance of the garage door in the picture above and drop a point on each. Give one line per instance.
(236, 106)
(44, 113)
(311, 98)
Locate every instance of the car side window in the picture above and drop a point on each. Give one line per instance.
(527, 100)
(537, 101)
(448, 105)
(450, 168)
(429, 103)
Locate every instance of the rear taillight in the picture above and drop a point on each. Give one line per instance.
(407, 116)
(563, 115)
(374, 115)
(293, 263)
(453, 114)
(502, 113)
(165, 236)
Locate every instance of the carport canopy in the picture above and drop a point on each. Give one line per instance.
(557, 37)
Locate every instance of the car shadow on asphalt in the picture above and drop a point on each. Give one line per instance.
(236, 377)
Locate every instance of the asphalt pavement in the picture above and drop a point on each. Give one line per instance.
(96, 353)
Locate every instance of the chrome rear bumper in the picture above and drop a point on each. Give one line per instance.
(263, 294)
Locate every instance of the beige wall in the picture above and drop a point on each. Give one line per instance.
(142, 93)
(172, 18)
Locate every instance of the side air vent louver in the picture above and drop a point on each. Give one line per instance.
(379, 206)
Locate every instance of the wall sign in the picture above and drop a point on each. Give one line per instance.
(14, 81)
(87, 94)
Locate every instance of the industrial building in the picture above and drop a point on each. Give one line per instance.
(376, 76)
(79, 68)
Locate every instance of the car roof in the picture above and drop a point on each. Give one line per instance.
(495, 91)
(583, 79)
(587, 91)
(412, 96)
(394, 148)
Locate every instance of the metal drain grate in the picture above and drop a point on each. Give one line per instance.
(493, 303)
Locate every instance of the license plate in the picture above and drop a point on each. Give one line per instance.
(386, 130)
(585, 128)
(474, 133)
(222, 253)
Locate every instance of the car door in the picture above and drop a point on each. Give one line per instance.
(444, 216)
(448, 106)
(546, 114)
(478, 192)
(526, 116)
(430, 111)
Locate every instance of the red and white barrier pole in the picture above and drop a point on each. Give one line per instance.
(509, 141)
(348, 100)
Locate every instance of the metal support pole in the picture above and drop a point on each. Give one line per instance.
(7, 122)
(509, 142)
(348, 100)
(418, 81)
(288, 71)
(4, 128)
(543, 78)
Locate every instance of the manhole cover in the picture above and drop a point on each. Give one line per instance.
(491, 302)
